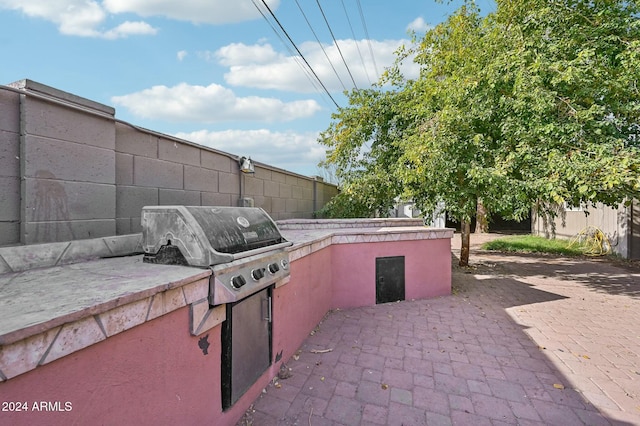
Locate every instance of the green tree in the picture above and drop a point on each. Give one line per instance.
(536, 102)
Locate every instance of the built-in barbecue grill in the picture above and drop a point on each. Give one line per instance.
(246, 253)
(242, 245)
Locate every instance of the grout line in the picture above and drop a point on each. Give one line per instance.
(99, 321)
(46, 353)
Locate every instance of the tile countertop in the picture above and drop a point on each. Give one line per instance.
(37, 300)
(34, 301)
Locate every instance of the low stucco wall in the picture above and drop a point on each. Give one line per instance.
(154, 373)
(427, 270)
(162, 371)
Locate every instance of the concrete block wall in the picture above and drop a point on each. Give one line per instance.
(9, 168)
(67, 166)
(69, 171)
(156, 170)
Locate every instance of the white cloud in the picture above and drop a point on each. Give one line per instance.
(86, 18)
(197, 11)
(181, 55)
(239, 54)
(210, 104)
(298, 152)
(130, 28)
(260, 66)
(77, 17)
(418, 25)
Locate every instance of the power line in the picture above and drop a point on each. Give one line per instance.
(291, 52)
(297, 50)
(355, 41)
(366, 33)
(321, 46)
(337, 45)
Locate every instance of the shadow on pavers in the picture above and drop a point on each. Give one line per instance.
(491, 284)
(599, 274)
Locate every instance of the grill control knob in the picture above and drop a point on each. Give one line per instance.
(284, 263)
(257, 274)
(238, 281)
(273, 268)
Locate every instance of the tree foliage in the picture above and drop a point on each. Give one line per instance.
(537, 102)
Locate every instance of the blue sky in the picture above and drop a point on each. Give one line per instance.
(212, 71)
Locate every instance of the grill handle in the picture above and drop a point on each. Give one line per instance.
(261, 250)
(267, 300)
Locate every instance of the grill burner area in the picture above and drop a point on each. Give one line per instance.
(242, 246)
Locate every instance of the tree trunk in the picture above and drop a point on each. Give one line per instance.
(482, 224)
(465, 232)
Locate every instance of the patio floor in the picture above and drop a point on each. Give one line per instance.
(523, 339)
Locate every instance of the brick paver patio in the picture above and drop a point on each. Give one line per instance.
(526, 340)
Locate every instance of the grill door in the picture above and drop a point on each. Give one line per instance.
(389, 279)
(246, 345)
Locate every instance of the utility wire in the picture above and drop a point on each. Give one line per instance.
(300, 53)
(291, 52)
(355, 41)
(321, 46)
(366, 33)
(337, 45)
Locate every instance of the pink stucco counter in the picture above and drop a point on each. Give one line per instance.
(118, 341)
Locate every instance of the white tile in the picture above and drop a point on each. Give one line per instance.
(196, 291)
(25, 355)
(198, 312)
(165, 302)
(213, 317)
(125, 317)
(73, 337)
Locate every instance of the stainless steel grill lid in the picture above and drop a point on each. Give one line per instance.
(206, 236)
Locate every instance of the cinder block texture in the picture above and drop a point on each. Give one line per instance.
(291, 180)
(123, 226)
(305, 206)
(55, 200)
(9, 233)
(131, 199)
(157, 173)
(263, 203)
(133, 141)
(262, 173)
(170, 197)
(229, 183)
(296, 192)
(136, 225)
(49, 232)
(10, 107)
(178, 152)
(9, 198)
(292, 206)
(216, 199)
(215, 161)
(285, 191)
(307, 193)
(253, 186)
(56, 159)
(271, 189)
(278, 177)
(278, 205)
(42, 89)
(124, 169)
(200, 179)
(9, 153)
(46, 119)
